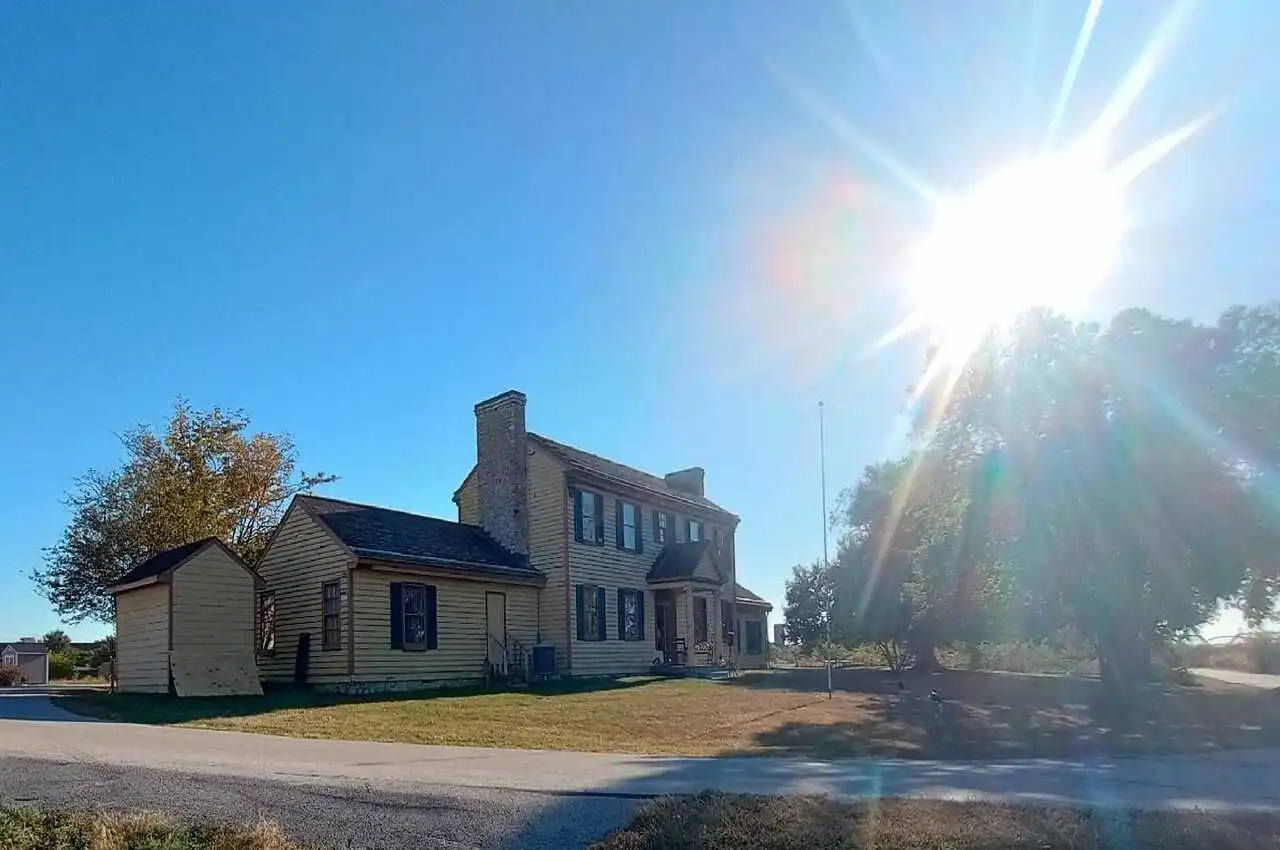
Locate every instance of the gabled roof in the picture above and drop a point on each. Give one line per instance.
(390, 535)
(678, 561)
(24, 647)
(744, 595)
(621, 473)
(159, 566)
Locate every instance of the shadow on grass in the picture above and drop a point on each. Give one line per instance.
(165, 710)
(999, 715)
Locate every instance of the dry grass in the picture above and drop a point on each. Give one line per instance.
(33, 829)
(729, 822)
(783, 713)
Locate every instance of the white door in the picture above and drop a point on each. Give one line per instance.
(496, 614)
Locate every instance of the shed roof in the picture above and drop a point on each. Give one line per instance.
(25, 647)
(162, 564)
(678, 561)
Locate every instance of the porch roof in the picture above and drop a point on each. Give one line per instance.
(678, 561)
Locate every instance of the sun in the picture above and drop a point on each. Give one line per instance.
(1045, 232)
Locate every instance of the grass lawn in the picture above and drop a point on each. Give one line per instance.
(738, 822)
(32, 829)
(784, 713)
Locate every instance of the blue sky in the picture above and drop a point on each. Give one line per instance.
(355, 220)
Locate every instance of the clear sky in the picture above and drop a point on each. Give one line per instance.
(671, 224)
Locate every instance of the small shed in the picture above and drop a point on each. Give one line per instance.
(185, 623)
(28, 655)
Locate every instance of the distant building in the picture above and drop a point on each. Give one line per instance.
(779, 634)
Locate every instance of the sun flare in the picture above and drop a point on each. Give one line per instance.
(1042, 232)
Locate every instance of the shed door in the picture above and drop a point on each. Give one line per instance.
(496, 615)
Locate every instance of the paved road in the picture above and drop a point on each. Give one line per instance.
(415, 791)
(1235, 677)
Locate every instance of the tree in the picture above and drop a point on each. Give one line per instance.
(1126, 470)
(103, 651)
(56, 641)
(914, 570)
(206, 475)
(809, 598)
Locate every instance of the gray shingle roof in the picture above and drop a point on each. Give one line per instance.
(743, 594)
(373, 532)
(606, 468)
(678, 561)
(25, 648)
(164, 561)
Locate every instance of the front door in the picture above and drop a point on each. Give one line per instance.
(496, 614)
(664, 622)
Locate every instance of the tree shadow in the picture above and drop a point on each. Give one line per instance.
(998, 715)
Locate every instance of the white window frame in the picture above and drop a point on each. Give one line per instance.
(634, 527)
(692, 524)
(9, 658)
(406, 591)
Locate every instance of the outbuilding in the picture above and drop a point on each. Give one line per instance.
(28, 655)
(185, 623)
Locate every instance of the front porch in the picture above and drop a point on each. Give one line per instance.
(688, 633)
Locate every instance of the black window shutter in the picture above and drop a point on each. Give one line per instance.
(432, 637)
(655, 527)
(599, 517)
(622, 627)
(582, 628)
(640, 611)
(577, 515)
(639, 530)
(397, 615)
(602, 621)
(618, 539)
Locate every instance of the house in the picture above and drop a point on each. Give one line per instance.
(30, 656)
(560, 560)
(185, 622)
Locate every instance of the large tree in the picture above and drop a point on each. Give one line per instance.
(205, 475)
(1128, 466)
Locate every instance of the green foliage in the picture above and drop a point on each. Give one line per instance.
(809, 599)
(56, 641)
(103, 652)
(61, 666)
(1125, 471)
(206, 475)
(10, 675)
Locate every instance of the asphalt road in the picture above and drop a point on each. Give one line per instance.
(363, 794)
(1267, 681)
(344, 814)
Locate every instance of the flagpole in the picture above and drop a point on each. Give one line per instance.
(826, 563)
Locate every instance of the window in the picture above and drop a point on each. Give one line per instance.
(715, 542)
(693, 530)
(9, 658)
(413, 616)
(628, 521)
(662, 526)
(267, 623)
(726, 623)
(755, 636)
(699, 619)
(331, 627)
(591, 612)
(588, 524)
(630, 614)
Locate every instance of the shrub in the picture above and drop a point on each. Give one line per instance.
(61, 666)
(1263, 652)
(10, 675)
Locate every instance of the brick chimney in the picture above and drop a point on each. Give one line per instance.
(501, 472)
(691, 481)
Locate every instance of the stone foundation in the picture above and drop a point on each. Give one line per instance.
(395, 686)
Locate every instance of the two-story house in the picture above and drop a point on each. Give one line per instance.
(610, 569)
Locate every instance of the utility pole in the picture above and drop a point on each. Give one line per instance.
(826, 564)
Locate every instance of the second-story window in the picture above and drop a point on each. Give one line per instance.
(693, 530)
(662, 526)
(588, 517)
(628, 518)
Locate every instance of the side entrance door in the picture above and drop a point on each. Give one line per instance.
(496, 615)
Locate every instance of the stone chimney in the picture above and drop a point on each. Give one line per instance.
(501, 471)
(691, 481)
